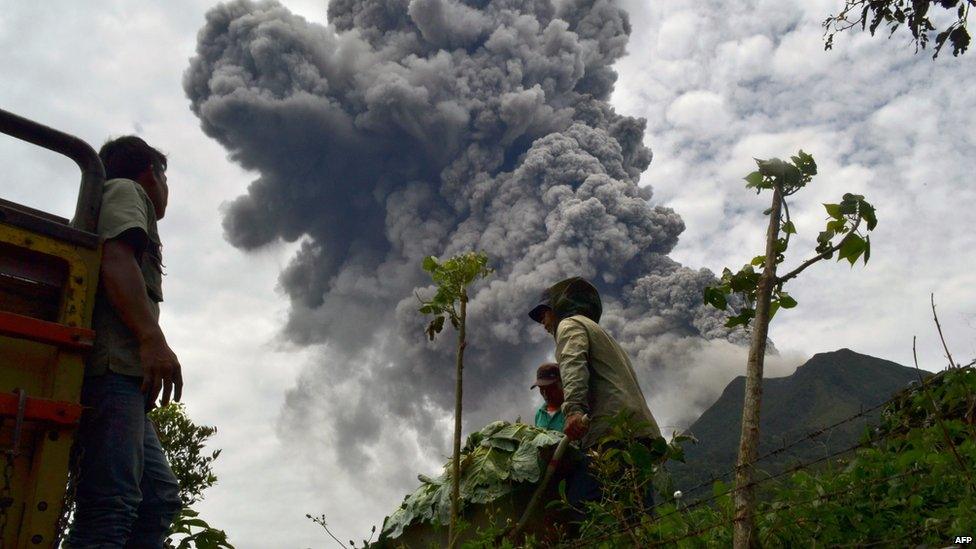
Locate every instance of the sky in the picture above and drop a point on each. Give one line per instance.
(718, 83)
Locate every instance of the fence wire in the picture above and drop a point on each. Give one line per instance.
(606, 533)
(814, 434)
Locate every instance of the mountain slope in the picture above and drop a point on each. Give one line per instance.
(825, 390)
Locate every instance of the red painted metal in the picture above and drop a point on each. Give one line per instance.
(43, 331)
(41, 409)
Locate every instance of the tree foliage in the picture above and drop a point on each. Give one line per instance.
(845, 234)
(494, 462)
(915, 15)
(183, 443)
(452, 278)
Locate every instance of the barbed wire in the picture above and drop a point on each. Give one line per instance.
(785, 507)
(800, 466)
(753, 483)
(814, 434)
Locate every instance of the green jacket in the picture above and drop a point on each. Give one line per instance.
(598, 378)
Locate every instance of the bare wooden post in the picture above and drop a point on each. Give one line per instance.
(456, 460)
(744, 532)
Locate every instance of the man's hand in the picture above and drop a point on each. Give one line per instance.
(160, 370)
(577, 425)
(126, 290)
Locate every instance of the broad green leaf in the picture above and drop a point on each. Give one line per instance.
(493, 461)
(642, 457)
(715, 297)
(851, 248)
(837, 225)
(754, 180)
(833, 210)
(430, 264)
(789, 228)
(758, 260)
(867, 212)
(774, 167)
(805, 163)
(791, 175)
(525, 464)
(786, 301)
(435, 327)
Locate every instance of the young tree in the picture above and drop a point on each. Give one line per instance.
(760, 295)
(183, 443)
(452, 278)
(913, 14)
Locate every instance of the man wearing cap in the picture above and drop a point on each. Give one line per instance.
(549, 415)
(598, 380)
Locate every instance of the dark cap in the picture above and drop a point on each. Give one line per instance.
(540, 308)
(547, 374)
(572, 296)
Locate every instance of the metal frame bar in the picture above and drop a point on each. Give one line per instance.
(92, 171)
(42, 331)
(24, 408)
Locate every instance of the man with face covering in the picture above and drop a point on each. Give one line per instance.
(598, 379)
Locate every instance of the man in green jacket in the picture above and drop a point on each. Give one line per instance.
(598, 379)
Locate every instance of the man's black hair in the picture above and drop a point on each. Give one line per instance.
(128, 156)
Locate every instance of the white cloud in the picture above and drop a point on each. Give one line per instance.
(701, 113)
(678, 35)
(745, 59)
(800, 56)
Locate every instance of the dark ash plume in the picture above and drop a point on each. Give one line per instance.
(415, 127)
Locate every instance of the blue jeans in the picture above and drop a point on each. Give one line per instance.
(127, 495)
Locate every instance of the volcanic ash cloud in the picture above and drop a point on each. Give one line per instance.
(408, 128)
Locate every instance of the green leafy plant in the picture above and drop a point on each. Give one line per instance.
(196, 533)
(450, 302)
(629, 470)
(760, 294)
(908, 484)
(916, 15)
(494, 461)
(184, 443)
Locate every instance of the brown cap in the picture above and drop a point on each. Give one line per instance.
(547, 374)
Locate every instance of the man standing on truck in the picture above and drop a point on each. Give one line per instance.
(598, 379)
(127, 494)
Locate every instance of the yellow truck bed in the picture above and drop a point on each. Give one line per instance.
(48, 277)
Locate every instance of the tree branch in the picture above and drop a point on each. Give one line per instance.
(816, 258)
(952, 363)
(938, 416)
(786, 213)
